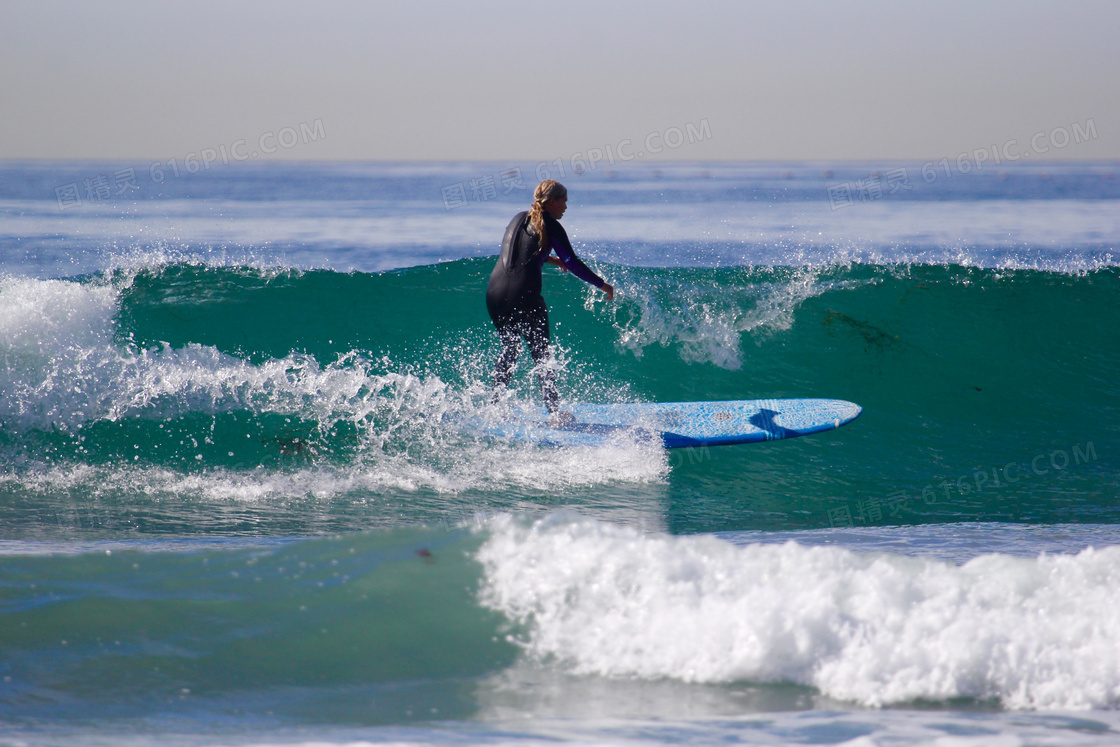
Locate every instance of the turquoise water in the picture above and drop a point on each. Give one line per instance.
(236, 509)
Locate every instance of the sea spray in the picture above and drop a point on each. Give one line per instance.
(876, 629)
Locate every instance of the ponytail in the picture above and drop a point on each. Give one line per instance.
(545, 191)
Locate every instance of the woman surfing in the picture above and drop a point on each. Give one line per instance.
(513, 295)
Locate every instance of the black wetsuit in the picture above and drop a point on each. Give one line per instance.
(513, 298)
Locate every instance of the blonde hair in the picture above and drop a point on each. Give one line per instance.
(547, 190)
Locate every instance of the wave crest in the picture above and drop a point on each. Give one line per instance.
(875, 629)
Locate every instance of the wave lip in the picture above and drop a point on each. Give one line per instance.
(874, 629)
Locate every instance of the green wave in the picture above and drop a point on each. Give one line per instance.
(986, 394)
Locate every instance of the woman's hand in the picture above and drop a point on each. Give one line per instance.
(609, 290)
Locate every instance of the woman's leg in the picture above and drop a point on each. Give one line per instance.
(537, 336)
(529, 321)
(510, 337)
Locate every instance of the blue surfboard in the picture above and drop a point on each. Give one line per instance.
(673, 424)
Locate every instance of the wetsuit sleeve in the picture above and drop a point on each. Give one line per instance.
(563, 249)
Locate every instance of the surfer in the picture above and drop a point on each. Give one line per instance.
(513, 296)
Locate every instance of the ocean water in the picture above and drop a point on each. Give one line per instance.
(235, 508)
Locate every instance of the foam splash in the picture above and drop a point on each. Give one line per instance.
(65, 371)
(875, 629)
(64, 368)
(708, 322)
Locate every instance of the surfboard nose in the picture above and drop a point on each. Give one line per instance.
(845, 412)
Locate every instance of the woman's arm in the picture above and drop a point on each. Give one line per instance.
(605, 287)
(567, 259)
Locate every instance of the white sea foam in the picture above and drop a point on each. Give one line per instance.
(379, 478)
(870, 628)
(64, 369)
(706, 322)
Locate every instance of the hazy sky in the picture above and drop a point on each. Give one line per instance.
(836, 79)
